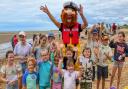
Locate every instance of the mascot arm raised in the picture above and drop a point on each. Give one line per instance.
(46, 10)
(85, 23)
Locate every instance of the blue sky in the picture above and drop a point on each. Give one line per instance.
(16, 15)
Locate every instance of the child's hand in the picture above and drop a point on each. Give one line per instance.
(7, 81)
(115, 38)
(123, 55)
(61, 46)
(44, 9)
(61, 60)
(75, 49)
(96, 51)
(11, 82)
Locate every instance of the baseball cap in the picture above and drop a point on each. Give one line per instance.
(22, 33)
(70, 4)
(50, 34)
(95, 31)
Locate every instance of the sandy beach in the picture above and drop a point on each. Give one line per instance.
(5, 37)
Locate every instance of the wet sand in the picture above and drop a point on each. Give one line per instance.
(7, 36)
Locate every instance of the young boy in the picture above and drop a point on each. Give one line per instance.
(102, 55)
(44, 69)
(30, 78)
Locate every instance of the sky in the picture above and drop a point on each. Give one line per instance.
(25, 15)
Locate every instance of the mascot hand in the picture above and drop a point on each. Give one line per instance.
(80, 10)
(44, 9)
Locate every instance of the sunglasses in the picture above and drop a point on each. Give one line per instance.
(44, 55)
(21, 36)
(105, 39)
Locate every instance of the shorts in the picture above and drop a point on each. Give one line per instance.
(57, 85)
(102, 72)
(44, 87)
(77, 82)
(86, 85)
(93, 78)
(118, 64)
(12, 86)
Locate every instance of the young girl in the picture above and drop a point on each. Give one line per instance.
(120, 53)
(35, 44)
(87, 69)
(56, 74)
(42, 45)
(30, 77)
(70, 55)
(11, 72)
(69, 75)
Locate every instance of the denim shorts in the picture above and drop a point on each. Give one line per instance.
(102, 72)
(118, 64)
(24, 66)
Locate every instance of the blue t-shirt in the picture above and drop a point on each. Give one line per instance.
(30, 80)
(44, 69)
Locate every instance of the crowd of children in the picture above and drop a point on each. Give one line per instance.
(44, 64)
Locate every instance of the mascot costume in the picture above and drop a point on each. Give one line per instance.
(69, 27)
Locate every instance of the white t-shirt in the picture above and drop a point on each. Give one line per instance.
(103, 61)
(22, 50)
(70, 79)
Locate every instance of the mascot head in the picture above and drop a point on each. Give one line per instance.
(69, 14)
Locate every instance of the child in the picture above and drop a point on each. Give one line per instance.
(42, 45)
(11, 72)
(44, 69)
(30, 78)
(120, 53)
(56, 74)
(87, 69)
(102, 55)
(70, 55)
(69, 75)
(1, 63)
(52, 51)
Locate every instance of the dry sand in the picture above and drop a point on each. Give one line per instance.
(5, 37)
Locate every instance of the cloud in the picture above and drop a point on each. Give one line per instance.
(27, 11)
